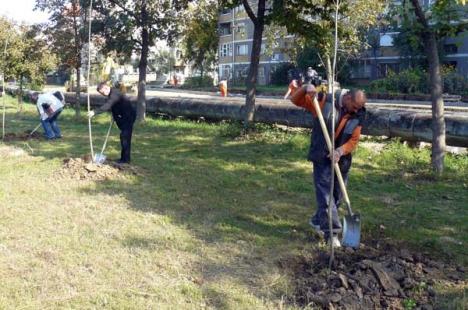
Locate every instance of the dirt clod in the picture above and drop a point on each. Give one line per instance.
(368, 278)
(84, 169)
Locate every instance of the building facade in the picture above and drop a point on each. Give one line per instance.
(379, 62)
(235, 46)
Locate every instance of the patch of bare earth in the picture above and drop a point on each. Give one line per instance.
(370, 278)
(22, 136)
(85, 169)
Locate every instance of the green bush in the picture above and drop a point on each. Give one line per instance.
(279, 76)
(412, 81)
(455, 83)
(197, 81)
(408, 82)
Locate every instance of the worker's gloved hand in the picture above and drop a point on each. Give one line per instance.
(91, 114)
(337, 154)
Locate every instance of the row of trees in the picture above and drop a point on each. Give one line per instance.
(134, 26)
(25, 55)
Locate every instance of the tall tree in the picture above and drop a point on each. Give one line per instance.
(313, 22)
(68, 31)
(27, 58)
(257, 12)
(134, 26)
(200, 36)
(444, 18)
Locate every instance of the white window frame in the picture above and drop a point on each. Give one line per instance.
(242, 50)
(225, 50)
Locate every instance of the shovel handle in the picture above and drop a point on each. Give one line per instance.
(329, 144)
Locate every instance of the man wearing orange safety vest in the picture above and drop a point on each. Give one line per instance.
(349, 117)
(223, 88)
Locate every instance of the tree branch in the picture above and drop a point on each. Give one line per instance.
(248, 10)
(126, 10)
(420, 14)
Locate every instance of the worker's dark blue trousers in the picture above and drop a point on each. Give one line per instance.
(126, 142)
(322, 177)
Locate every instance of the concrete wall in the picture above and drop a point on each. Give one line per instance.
(410, 125)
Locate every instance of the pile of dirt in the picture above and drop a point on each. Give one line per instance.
(85, 169)
(370, 278)
(22, 136)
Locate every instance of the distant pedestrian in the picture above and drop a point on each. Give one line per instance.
(223, 88)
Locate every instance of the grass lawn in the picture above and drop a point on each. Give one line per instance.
(206, 223)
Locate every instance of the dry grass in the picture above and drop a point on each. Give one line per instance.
(203, 228)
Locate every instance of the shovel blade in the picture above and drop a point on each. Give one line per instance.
(99, 158)
(352, 231)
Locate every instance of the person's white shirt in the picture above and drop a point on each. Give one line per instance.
(54, 103)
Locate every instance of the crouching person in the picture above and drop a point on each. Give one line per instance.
(124, 114)
(49, 106)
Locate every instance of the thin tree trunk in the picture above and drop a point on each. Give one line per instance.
(78, 61)
(329, 69)
(201, 76)
(141, 98)
(78, 91)
(251, 82)
(20, 96)
(141, 107)
(438, 120)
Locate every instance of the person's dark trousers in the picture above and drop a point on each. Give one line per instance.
(322, 177)
(126, 143)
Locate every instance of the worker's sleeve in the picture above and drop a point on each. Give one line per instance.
(113, 98)
(40, 108)
(352, 143)
(303, 100)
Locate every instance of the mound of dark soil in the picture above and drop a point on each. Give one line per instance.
(24, 136)
(85, 169)
(370, 278)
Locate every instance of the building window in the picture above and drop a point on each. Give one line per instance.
(386, 40)
(361, 70)
(240, 29)
(225, 72)
(242, 50)
(225, 29)
(240, 9)
(386, 68)
(225, 50)
(276, 56)
(450, 48)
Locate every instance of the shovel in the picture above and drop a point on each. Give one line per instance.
(352, 221)
(34, 130)
(100, 158)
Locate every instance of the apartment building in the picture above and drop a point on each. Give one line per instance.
(235, 45)
(378, 61)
